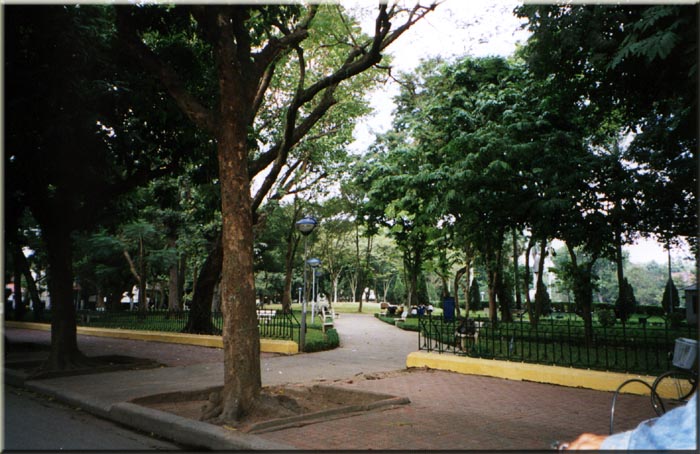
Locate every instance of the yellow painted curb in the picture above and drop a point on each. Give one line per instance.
(556, 375)
(285, 347)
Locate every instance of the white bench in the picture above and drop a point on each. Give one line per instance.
(266, 314)
(327, 317)
(398, 321)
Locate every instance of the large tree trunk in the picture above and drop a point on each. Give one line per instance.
(199, 319)
(242, 378)
(64, 339)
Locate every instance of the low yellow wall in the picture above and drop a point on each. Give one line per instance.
(284, 347)
(565, 376)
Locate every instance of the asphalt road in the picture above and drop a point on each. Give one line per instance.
(37, 423)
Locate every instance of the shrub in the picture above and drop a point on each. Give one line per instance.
(651, 311)
(474, 296)
(332, 338)
(542, 299)
(676, 318)
(626, 303)
(670, 300)
(317, 341)
(606, 317)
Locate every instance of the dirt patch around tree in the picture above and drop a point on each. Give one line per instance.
(27, 364)
(280, 407)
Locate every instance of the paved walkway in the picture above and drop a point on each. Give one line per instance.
(447, 410)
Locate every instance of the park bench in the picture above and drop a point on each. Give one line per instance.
(398, 321)
(89, 317)
(467, 334)
(327, 317)
(266, 314)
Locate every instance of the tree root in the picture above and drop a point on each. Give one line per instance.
(62, 365)
(216, 412)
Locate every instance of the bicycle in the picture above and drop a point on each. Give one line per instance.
(673, 387)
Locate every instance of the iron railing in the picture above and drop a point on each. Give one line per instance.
(632, 348)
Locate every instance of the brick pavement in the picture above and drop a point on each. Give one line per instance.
(453, 411)
(447, 410)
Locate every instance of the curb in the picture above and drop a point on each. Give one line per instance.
(284, 347)
(187, 431)
(94, 406)
(539, 373)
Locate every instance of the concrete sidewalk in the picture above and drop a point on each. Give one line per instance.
(448, 410)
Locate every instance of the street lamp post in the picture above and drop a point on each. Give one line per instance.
(305, 225)
(313, 263)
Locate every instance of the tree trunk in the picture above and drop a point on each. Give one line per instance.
(583, 291)
(99, 299)
(242, 379)
(114, 301)
(516, 278)
(174, 304)
(668, 252)
(491, 276)
(364, 270)
(535, 316)
(528, 301)
(143, 296)
(64, 339)
(353, 286)
(455, 285)
(18, 298)
(174, 295)
(504, 299)
(292, 243)
(491, 258)
(199, 319)
(216, 298)
(31, 283)
(335, 280)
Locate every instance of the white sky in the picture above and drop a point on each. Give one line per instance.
(456, 28)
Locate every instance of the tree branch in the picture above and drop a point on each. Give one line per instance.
(195, 111)
(132, 266)
(278, 153)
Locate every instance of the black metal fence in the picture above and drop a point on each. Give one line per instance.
(283, 326)
(637, 348)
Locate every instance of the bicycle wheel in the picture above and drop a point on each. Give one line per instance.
(672, 389)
